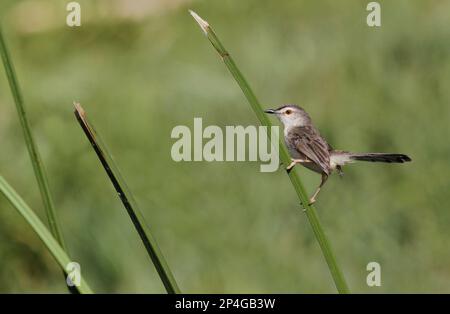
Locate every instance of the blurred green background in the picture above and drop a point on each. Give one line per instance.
(142, 67)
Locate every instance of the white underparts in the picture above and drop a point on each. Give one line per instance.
(339, 159)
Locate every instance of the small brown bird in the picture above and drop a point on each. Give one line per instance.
(308, 148)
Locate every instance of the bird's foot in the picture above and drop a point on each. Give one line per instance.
(291, 165)
(295, 161)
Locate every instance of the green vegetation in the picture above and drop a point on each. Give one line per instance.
(35, 158)
(50, 242)
(226, 227)
(128, 201)
(33, 152)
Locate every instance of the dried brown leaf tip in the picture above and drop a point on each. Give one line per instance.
(81, 117)
(203, 24)
(79, 110)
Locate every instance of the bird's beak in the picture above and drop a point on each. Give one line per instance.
(271, 111)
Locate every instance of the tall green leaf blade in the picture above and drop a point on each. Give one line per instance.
(50, 242)
(33, 151)
(38, 166)
(128, 201)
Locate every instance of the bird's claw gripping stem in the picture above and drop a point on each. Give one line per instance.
(295, 161)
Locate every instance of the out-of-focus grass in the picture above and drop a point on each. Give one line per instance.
(226, 227)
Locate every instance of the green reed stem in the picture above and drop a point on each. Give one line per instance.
(310, 211)
(38, 166)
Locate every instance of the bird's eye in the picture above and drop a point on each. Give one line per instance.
(288, 111)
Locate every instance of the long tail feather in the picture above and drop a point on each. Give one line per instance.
(340, 158)
(380, 157)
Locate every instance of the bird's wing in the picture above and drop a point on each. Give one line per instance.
(309, 142)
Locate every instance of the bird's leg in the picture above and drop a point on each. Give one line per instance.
(312, 200)
(295, 161)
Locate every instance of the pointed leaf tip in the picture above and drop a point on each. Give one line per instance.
(203, 24)
(79, 109)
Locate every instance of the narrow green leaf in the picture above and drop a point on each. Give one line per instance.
(50, 242)
(310, 211)
(38, 166)
(128, 201)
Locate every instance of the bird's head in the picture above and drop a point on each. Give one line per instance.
(291, 115)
